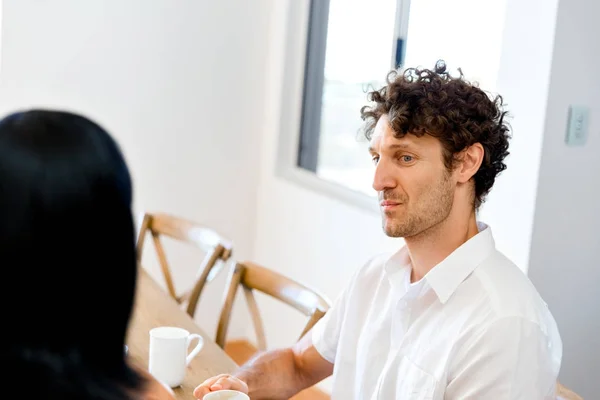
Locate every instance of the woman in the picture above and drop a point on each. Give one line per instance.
(67, 249)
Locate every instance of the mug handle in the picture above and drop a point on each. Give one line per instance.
(196, 349)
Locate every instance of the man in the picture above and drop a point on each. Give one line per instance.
(447, 316)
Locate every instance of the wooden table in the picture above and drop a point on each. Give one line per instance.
(154, 307)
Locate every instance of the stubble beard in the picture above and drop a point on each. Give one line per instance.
(428, 210)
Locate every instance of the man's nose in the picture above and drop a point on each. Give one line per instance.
(383, 178)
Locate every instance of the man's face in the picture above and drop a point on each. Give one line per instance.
(416, 190)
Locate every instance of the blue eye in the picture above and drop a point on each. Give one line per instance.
(407, 159)
(375, 160)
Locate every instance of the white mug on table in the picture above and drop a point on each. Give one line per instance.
(169, 355)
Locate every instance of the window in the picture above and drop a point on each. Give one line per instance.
(350, 48)
(353, 44)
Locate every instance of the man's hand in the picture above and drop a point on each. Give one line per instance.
(220, 382)
(275, 375)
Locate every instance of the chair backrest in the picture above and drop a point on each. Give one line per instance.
(564, 393)
(216, 249)
(250, 277)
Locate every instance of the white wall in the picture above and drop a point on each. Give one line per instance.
(565, 248)
(527, 44)
(180, 87)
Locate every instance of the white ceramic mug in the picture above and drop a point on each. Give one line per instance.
(226, 395)
(169, 355)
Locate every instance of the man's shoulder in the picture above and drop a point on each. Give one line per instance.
(509, 293)
(500, 295)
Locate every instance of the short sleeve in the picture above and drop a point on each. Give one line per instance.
(326, 332)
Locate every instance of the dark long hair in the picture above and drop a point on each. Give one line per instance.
(68, 257)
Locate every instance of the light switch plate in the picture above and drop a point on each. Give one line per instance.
(577, 129)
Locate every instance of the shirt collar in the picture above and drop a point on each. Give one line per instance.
(445, 277)
(397, 269)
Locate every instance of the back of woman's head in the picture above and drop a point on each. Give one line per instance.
(67, 250)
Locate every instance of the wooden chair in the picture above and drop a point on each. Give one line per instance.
(250, 277)
(566, 394)
(217, 249)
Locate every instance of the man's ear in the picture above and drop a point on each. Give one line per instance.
(470, 160)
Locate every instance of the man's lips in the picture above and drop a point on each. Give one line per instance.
(389, 204)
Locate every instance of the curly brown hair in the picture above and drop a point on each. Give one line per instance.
(451, 109)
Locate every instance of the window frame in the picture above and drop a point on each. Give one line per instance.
(301, 97)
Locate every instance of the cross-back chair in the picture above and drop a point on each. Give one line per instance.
(217, 251)
(565, 393)
(253, 277)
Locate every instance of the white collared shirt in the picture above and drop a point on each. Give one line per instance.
(473, 328)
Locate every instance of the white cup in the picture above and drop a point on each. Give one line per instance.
(169, 355)
(226, 395)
